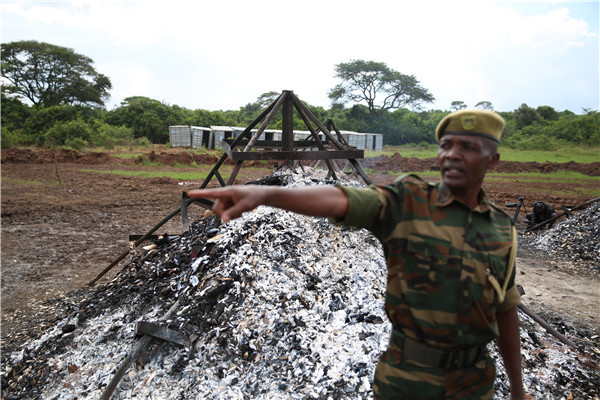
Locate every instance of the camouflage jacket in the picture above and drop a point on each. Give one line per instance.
(439, 255)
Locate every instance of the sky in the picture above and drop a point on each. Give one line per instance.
(223, 54)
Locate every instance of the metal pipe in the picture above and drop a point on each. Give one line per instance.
(137, 349)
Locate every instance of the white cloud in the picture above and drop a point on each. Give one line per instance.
(224, 54)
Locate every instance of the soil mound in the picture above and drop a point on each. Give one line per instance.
(28, 156)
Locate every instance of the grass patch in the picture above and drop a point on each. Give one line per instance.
(577, 154)
(179, 175)
(557, 176)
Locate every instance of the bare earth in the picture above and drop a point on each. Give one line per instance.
(58, 237)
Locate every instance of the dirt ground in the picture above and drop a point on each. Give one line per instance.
(57, 237)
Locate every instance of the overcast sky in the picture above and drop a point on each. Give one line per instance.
(222, 55)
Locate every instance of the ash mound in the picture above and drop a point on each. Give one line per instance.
(576, 238)
(274, 305)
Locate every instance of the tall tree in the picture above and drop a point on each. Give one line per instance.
(379, 86)
(50, 75)
(485, 105)
(458, 105)
(525, 116)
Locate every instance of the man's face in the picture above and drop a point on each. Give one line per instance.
(464, 160)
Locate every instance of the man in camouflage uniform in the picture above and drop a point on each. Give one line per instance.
(450, 258)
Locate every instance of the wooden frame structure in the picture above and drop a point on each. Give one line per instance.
(329, 149)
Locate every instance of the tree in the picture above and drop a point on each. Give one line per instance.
(458, 105)
(379, 86)
(50, 75)
(548, 113)
(485, 105)
(525, 116)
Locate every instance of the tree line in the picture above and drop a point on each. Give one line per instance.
(52, 96)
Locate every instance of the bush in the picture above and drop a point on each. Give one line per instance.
(62, 132)
(142, 142)
(76, 143)
(11, 138)
(110, 136)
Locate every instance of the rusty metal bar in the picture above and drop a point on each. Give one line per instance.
(330, 124)
(547, 326)
(244, 134)
(287, 123)
(543, 323)
(315, 135)
(161, 332)
(214, 172)
(207, 203)
(360, 170)
(316, 121)
(137, 349)
(254, 139)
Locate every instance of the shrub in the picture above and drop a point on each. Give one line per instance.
(76, 143)
(62, 132)
(142, 142)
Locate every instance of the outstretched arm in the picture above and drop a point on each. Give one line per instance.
(509, 345)
(316, 201)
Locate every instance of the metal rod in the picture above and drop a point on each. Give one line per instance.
(137, 349)
(547, 326)
(208, 203)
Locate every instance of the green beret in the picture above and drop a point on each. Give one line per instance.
(471, 122)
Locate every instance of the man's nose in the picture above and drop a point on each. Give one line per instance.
(454, 152)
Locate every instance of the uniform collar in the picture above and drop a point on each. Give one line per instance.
(445, 198)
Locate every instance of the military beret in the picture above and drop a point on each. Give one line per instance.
(471, 122)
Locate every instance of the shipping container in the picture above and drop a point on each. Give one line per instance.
(220, 133)
(201, 137)
(374, 142)
(180, 136)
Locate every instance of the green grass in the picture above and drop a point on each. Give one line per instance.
(179, 175)
(577, 154)
(557, 176)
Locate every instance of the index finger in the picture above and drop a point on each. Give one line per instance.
(206, 194)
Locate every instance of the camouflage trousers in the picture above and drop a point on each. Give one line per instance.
(401, 379)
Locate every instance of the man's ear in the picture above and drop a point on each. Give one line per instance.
(495, 159)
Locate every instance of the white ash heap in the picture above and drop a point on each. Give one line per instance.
(274, 305)
(576, 238)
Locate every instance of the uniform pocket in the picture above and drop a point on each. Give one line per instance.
(425, 268)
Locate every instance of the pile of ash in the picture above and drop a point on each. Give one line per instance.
(576, 238)
(273, 305)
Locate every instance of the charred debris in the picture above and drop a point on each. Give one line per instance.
(270, 306)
